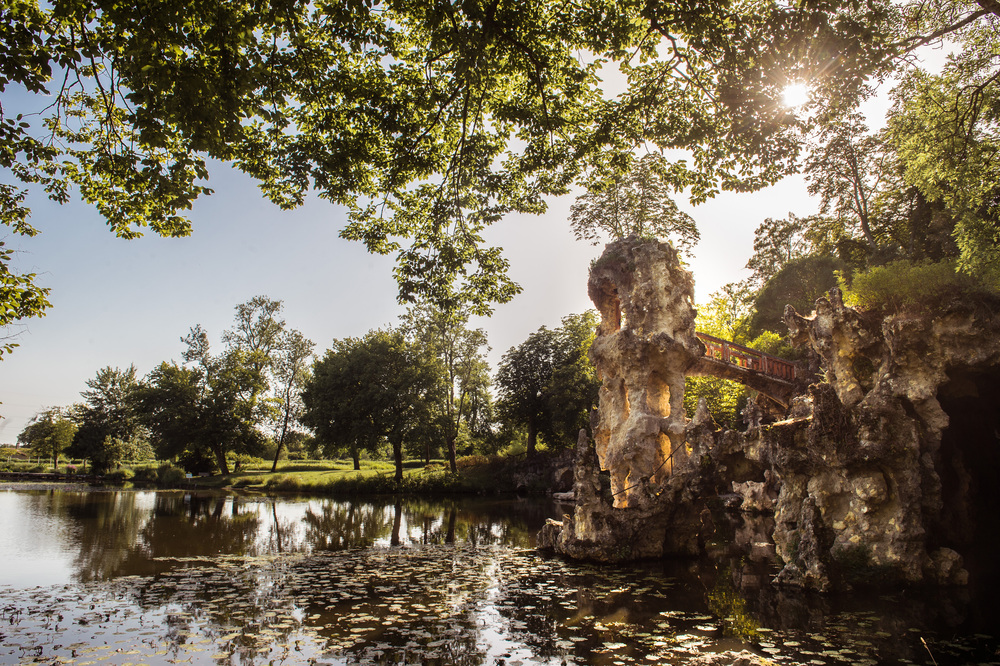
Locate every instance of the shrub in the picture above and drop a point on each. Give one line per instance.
(170, 475)
(906, 285)
(119, 475)
(285, 483)
(245, 461)
(465, 462)
(143, 476)
(799, 283)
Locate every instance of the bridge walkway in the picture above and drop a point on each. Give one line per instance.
(770, 375)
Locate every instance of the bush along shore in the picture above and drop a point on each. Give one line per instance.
(476, 475)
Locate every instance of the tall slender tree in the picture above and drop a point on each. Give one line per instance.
(459, 354)
(291, 373)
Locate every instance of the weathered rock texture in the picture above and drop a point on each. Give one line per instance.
(645, 344)
(885, 470)
(875, 472)
(644, 347)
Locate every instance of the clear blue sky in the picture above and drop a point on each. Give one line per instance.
(117, 302)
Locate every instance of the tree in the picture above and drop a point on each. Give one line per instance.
(49, 433)
(109, 425)
(775, 243)
(257, 332)
(20, 297)
(547, 383)
(573, 390)
(847, 168)
(459, 353)
(430, 121)
(945, 130)
(204, 412)
(291, 373)
(726, 316)
(799, 283)
(521, 379)
(636, 203)
(370, 389)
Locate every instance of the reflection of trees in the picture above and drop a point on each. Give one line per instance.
(118, 536)
(106, 527)
(282, 534)
(342, 525)
(419, 603)
(185, 526)
(480, 523)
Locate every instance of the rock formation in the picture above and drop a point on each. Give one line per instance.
(645, 344)
(644, 347)
(881, 466)
(882, 471)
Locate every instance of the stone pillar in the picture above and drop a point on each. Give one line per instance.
(644, 347)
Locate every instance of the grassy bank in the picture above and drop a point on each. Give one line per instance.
(479, 475)
(476, 475)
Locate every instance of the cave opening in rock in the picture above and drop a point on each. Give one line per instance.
(969, 467)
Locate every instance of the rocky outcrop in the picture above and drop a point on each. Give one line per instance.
(882, 471)
(645, 344)
(644, 347)
(873, 480)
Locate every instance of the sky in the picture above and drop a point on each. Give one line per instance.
(117, 302)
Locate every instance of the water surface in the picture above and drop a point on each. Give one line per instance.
(129, 577)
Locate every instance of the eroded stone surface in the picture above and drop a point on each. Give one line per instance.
(879, 472)
(644, 347)
(866, 482)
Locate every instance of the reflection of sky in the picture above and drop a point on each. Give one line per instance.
(37, 545)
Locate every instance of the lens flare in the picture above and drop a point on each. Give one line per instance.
(795, 95)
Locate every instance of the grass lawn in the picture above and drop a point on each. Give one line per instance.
(476, 475)
(338, 477)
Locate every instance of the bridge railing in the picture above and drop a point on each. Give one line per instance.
(744, 357)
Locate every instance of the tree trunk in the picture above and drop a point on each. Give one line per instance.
(277, 454)
(356, 456)
(277, 527)
(427, 452)
(397, 456)
(284, 431)
(220, 460)
(532, 438)
(451, 454)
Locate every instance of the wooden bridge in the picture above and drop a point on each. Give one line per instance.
(770, 375)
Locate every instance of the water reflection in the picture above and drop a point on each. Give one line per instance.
(106, 535)
(215, 579)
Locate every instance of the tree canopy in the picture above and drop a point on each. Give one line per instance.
(430, 121)
(109, 423)
(49, 433)
(458, 353)
(547, 384)
(368, 390)
(637, 203)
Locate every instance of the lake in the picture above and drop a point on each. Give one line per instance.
(133, 577)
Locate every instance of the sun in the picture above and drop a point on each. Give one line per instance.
(795, 95)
